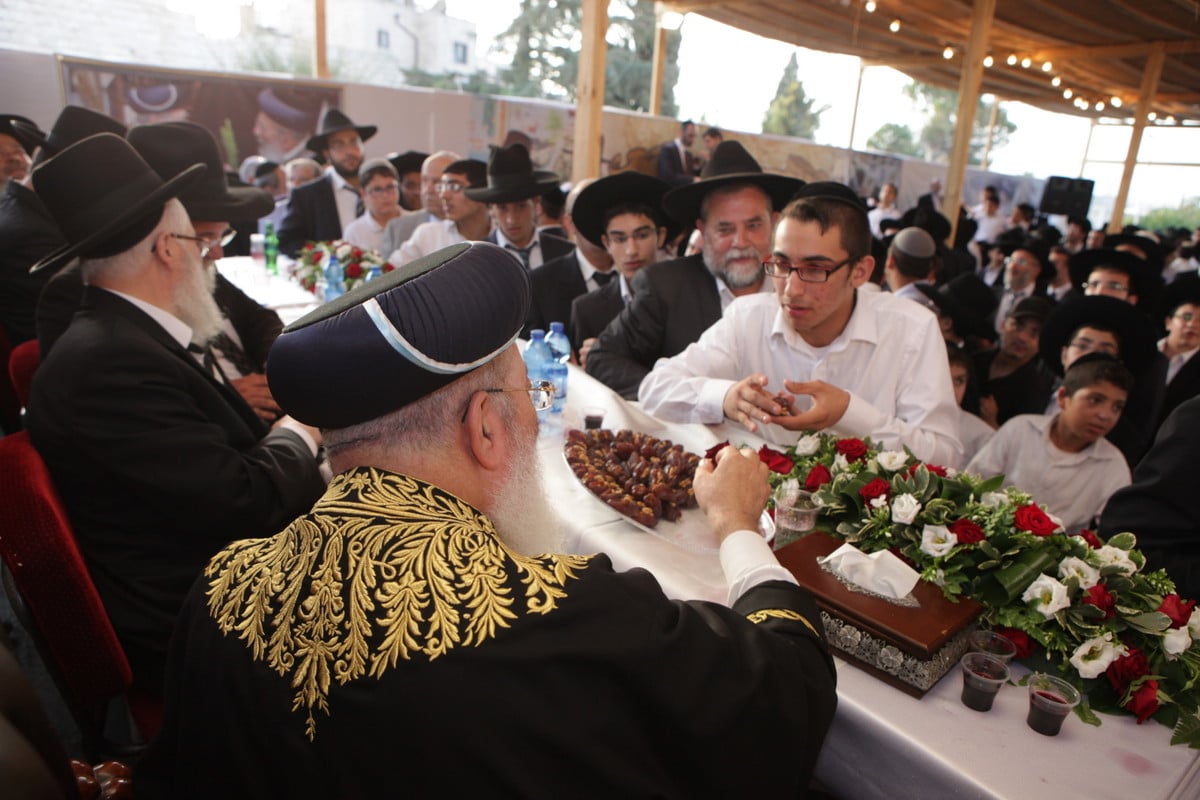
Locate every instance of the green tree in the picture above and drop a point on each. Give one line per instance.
(791, 112)
(893, 138)
(478, 82)
(1186, 215)
(543, 44)
(937, 137)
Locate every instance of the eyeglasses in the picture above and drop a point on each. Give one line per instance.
(1112, 286)
(782, 268)
(389, 188)
(450, 187)
(1089, 346)
(1021, 262)
(208, 244)
(1186, 316)
(540, 392)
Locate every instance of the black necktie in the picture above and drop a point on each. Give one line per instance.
(602, 278)
(522, 252)
(233, 353)
(208, 361)
(359, 208)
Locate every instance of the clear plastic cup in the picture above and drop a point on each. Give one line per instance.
(1050, 701)
(983, 675)
(994, 644)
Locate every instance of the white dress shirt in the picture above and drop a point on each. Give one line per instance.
(890, 357)
(366, 233)
(1073, 486)
(535, 253)
(428, 237)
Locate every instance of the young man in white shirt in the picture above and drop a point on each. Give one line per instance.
(818, 354)
(381, 191)
(465, 219)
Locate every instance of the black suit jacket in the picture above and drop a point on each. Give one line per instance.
(1160, 505)
(27, 234)
(1185, 386)
(591, 312)
(158, 464)
(552, 247)
(553, 286)
(311, 216)
(671, 170)
(673, 303)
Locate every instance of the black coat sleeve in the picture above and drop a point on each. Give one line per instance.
(257, 326)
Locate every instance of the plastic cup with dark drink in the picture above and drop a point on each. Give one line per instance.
(1050, 701)
(994, 644)
(593, 418)
(983, 675)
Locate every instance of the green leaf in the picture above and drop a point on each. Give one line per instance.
(1149, 622)
(1125, 541)
(1187, 731)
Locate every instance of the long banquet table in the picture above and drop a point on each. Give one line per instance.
(883, 743)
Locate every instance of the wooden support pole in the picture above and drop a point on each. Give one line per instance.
(968, 98)
(320, 58)
(589, 92)
(659, 68)
(1150, 78)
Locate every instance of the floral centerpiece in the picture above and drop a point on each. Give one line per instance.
(1072, 603)
(356, 264)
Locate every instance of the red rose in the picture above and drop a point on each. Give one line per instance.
(1019, 638)
(876, 487)
(1091, 538)
(354, 270)
(1101, 598)
(711, 453)
(852, 449)
(818, 476)
(387, 267)
(1127, 669)
(1033, 519)
(967, 531)
(1177, 609)
(318, 255)
(776, 460)
(1144, 701)
(934, 468)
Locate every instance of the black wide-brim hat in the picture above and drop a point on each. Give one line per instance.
(967, 301)
(408, 161)
(6, 128)
(104, 197)
(597, 197)
(171, 147)
(74, 124)
(333, 122)
(512, 178)
(1152, 249)
(1185, 289)
(1144, 280)
(1134, 331)
(398, 338)
(731, 163)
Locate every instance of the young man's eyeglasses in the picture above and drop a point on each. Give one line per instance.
(782, 268)
(450, 186)
(540, 392)
(387, 188)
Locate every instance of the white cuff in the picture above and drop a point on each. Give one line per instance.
(747, 560)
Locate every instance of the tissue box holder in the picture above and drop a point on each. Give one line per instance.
(910, 648)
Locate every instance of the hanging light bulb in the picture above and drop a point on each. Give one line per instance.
(1047, 66)
(1012, 59)
(1099, 105)
(988, 61)
(1056, 82)
(1026, 62)
(948, 53)
(895, 26)
(1067, 94)
(1115, 102)
(1152, 116)
(870, 6)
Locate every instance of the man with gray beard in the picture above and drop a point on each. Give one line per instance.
(420, 633)
(733, 205)
(158, 460)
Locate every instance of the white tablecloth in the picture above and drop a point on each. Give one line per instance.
(883, 743)
(278, 292)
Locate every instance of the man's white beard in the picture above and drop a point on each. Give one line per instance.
(736, 277)
(522, 513)
(194, 303)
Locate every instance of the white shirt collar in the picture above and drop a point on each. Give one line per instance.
(861, 325)
(504, 242)
(176, 328)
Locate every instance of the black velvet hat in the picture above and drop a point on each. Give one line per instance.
(1144, 281)
(966, 300)
(104, 197)
(730, 163)
(171, 147)
(408, 161)
(1152, 249)
(624, 187)
(1134, 331)
(74, 124)
(396, 339)
(1185, 289)
(511, 177)
(831, 190)
(6, 128)
(333, 122)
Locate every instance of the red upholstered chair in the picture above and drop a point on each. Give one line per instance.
(10, 407)
(22, 363)
(57, 602)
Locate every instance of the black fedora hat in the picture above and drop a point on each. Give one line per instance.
(1134, 331)
(1185, 289)
(1144, 281)
(730, 163)
(511, 177)
(6, 128)
(408, 161)
(966, 300)
(104, 197)
(1151, 249)
(74, 124)
(333, 122)
(398, 338)
(171, 147)
(624, 187)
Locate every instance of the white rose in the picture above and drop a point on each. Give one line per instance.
(1109, 556)
(937, 540)
(840, 464)
(993, 499)
(343, 252)
(807, 445)
(1070, 567)
(877, 502)
(905, 508)
(1193, 625)
(1057, 521)
(892, 460)
(1048, 596)
(1176, 641)
(1094, 656)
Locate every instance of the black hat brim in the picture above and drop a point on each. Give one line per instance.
(1152, 249)
(1143, 279)
(130, 215)
(682, 204)
(1136, 333)
(965, 323)
(238, 203)
(624, 187)
(316, 143)
(541, 182)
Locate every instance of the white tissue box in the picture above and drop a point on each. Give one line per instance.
(909, 647)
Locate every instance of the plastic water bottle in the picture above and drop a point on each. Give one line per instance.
(560, 349)
(334, 278)
(376, 271)
(271, 249)
(537, 361)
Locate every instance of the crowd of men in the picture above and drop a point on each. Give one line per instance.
(193, 442)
